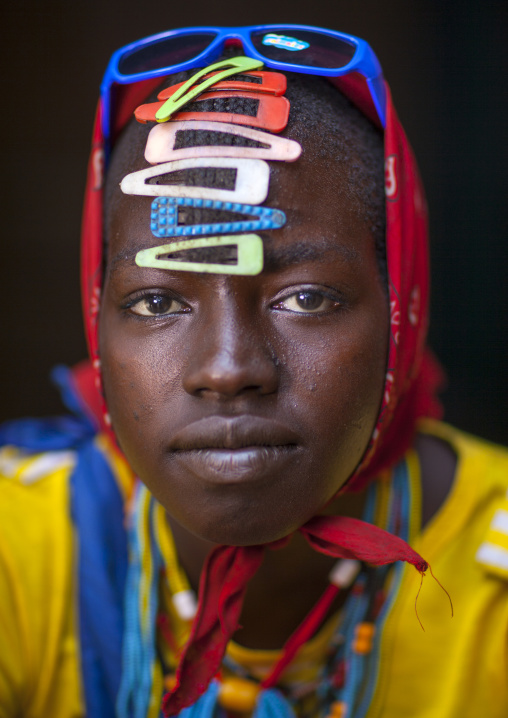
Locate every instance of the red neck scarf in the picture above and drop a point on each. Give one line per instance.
(411, 381)
(223, 585)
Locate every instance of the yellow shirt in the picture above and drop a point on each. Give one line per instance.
(39, 656)
(457, 668)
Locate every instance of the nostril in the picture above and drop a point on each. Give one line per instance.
(228, 374)
(229, 354)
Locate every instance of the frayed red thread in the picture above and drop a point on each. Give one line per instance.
(422, 573)
(444, 589)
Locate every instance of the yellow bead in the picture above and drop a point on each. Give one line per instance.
(238, 694)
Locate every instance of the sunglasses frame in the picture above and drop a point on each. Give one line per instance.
(364, 61)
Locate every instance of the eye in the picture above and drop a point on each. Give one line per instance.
(156, 305)
(307, 301)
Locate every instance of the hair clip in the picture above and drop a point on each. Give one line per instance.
(189, 90)
(273, 83)
(251, 178)
(272, 112)
(164, 217)
(247, 247)
(160, 146)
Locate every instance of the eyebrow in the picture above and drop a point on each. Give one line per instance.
(275, 258)
(120, 258)
(313, 250)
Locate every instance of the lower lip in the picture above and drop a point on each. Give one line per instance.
(230, 466)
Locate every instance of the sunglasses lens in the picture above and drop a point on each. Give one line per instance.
(303, 47)
(165, 53)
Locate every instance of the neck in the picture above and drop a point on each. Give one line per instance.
(285, 588)
(291, 579)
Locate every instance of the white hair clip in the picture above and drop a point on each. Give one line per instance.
(250, 184)
(160, 146)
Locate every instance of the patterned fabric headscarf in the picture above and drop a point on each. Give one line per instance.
(412, 378)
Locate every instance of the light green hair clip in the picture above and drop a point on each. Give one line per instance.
(187, 92)
(249, 255)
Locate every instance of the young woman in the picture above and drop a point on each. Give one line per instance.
(258, 412)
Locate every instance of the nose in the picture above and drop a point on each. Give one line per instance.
(230, 356)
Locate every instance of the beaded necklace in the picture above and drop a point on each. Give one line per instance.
(346, 682)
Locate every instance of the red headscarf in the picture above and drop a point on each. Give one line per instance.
(411, 381)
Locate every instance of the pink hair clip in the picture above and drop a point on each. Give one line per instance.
(160, 146)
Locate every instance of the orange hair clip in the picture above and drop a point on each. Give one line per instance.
(272, 113)
(272, 83)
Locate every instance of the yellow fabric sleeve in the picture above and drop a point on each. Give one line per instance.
(39, 656)
(457, 667)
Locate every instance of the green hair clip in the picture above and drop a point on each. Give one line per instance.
(187, 92)
(249, 255)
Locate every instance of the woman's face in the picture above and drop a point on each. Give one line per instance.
(245, 403)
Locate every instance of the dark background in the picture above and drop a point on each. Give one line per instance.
(447, 63)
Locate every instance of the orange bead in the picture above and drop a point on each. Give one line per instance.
(362, 646)
(364, 635)
(365, 630)
(338, 709)
(169, 681)
(238, 694)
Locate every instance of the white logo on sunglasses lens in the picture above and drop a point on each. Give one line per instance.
(282, 41)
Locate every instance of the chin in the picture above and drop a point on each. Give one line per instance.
(241, 526)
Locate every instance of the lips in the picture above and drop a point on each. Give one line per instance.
(224, 450)
(216, 432)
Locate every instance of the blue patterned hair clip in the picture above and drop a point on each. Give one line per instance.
(164, 217)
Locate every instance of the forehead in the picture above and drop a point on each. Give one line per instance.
(322, 193)
(324, 219)
(313, 192)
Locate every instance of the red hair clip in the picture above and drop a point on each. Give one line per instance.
(272, 83)
(272, 113)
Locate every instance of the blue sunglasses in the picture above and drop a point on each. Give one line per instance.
(293, 48)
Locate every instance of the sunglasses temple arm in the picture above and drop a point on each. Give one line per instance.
(378, 93)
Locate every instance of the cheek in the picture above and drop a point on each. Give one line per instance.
(337, 385)
(138, 375)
